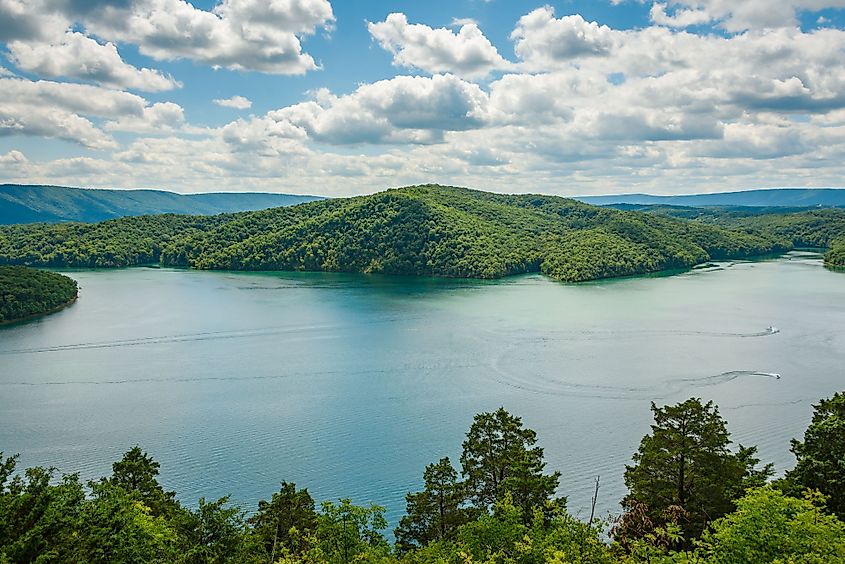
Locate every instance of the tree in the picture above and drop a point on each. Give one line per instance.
(37, 517)
(436, 512)
(136, 474)
(821, 456)
(289, 509)
(348, 532)
(116, 527)
(213, 533)
(684, 473)
(505, 535)
(500, 456)
(769, 526)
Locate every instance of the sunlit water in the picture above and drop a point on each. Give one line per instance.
(350, 385)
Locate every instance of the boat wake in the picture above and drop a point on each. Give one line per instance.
(609, 334)
(524, 379)
(163, 339)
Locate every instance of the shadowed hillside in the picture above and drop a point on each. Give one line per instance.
(53, 204)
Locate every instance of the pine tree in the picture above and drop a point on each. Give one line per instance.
(499, 456)
(685, 473)
(436, 512)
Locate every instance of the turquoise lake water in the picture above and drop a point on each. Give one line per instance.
(349, 384)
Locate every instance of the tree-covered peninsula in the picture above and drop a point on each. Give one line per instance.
(25, 292)
(836, 255)
(419, 230)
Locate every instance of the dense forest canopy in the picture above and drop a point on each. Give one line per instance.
(814, 227)
(836, 255)
(419, 230)
(26, 291)
(693, 496)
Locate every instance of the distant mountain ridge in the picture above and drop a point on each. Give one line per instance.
(20, 203)
(771, 197)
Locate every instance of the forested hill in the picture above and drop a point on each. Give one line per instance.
(422, 230)
(25, 292)
(784, 197)
(803, 227)
(30, 204)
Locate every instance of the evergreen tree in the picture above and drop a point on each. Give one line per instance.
(684, 472)
(136, 473)
(499, 456)
(436, 512)
(117, 528)
(821, 455)
(288, 509)
(213, 533)
(37, 518)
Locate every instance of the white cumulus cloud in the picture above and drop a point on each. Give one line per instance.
(542, 41)
(737, 15)
(75, 55)
(253, 35)
(237, 34)
(467, 53)
(237, 102)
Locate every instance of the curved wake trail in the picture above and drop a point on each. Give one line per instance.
(322, 373)
(547, 386)
(164, 339)
(636, 333)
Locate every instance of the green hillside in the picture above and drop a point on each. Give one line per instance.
(802, 227)
(25, 292)
(420, 230)
(53, 204)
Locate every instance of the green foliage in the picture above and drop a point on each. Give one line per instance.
(119, 528)
(836, 255)
(37, 517)
(500, 457)
(684, 476)
(348, 532)
(26, 291)
(136, 474)
(214, 534)
(418, 230)
(506, 535)
(821, 455)
(684, 472)
(769, 526)
(282, 523)
(799, 227)
(435, 513)
(812, 228)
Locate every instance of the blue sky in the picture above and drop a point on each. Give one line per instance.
(340, 98)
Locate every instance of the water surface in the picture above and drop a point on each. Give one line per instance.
(351, 384)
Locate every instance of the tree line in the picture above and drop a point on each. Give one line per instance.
(822, 228)
(693, 496)
(419, 230)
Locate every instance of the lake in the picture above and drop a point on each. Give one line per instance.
(350, 384)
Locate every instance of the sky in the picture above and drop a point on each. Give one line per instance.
(344, 97)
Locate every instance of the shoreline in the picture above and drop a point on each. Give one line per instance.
(56, 309)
